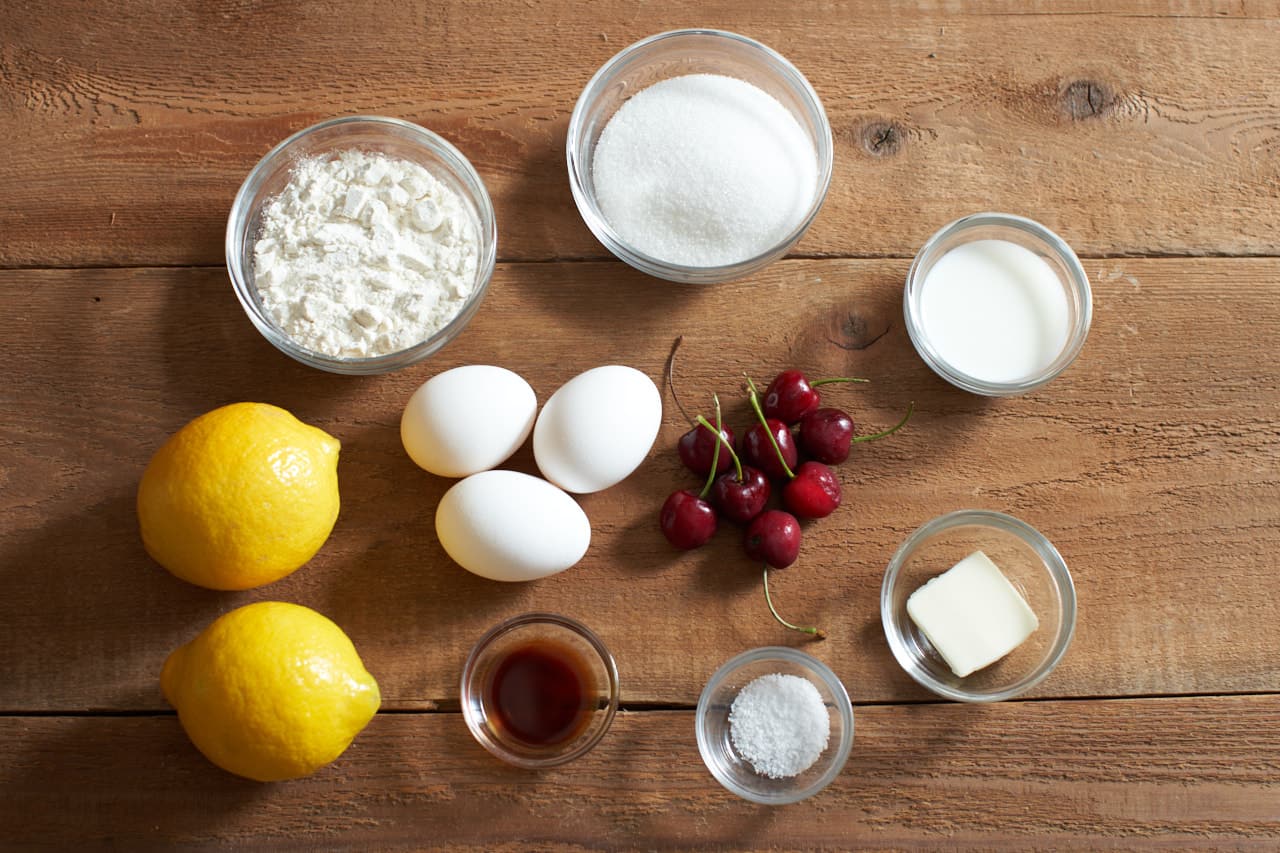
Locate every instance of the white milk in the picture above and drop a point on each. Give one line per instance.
(995, 311)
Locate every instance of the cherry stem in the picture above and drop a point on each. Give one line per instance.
(814, 632)
(836, 379)
(737, 463)
(754, 397)
(715, 454)
(891, 430)
(671, 380)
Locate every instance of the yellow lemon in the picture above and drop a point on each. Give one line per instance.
(270, 691)
(239, 497)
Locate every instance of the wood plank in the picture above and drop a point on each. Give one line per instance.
(1151, 464)
(1130, 128)
(1152, 774)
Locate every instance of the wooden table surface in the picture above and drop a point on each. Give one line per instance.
(1147, 135)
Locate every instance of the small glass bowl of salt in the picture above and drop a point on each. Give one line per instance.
(774, 725)
(699, 156)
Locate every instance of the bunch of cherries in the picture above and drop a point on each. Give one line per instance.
(742, 475)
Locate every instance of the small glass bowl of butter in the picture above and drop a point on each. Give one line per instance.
(999, 590)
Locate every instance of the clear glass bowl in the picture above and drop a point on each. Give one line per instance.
(675, 54)
(716, 746)
(1025, 557)
(1030, 235)
(389, 136)
(492, 649)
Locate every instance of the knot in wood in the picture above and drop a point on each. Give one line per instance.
(850, 330)
(1086, 99)
(882, 138)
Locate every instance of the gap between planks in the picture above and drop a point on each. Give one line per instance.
(451, 707)
(597, 259)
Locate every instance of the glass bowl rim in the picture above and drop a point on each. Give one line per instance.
(467, 691)
(1052, 562)
(683, 273)
(1078, 282)
(486, 231)
(807, 662)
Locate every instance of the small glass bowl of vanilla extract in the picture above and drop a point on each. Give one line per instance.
(539, 690)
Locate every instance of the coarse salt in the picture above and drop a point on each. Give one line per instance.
(779, 724)
(363, 255)
(704, 170)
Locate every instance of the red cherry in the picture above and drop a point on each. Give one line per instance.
(758, 450)
(790, 397)
(741, 500)
(697, 448)
(814, 492)
(687, 520)
(826, 435)
(773, 538)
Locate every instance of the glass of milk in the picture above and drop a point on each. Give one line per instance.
(997, 304)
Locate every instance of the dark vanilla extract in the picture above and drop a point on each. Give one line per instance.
(540, 694)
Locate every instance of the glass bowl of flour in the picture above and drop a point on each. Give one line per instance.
(362, 244)
(699, 156)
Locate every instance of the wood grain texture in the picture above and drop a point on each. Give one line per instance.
(1130, 128)
(1123, 775)
(1134, 128)
(1151, 464)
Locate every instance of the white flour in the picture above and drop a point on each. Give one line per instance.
(363, 255)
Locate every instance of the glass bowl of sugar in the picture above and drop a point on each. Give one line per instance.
(774, 725)
(361, 245)
(699, 156)
(1002, 610)
(997, 304)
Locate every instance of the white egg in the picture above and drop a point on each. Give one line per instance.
(508, 526)
(467, 419)
(597, 428)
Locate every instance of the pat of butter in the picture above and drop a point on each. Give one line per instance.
(972, 614)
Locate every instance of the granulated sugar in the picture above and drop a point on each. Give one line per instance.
(779, 724)
(364, 255)
(704, 170)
